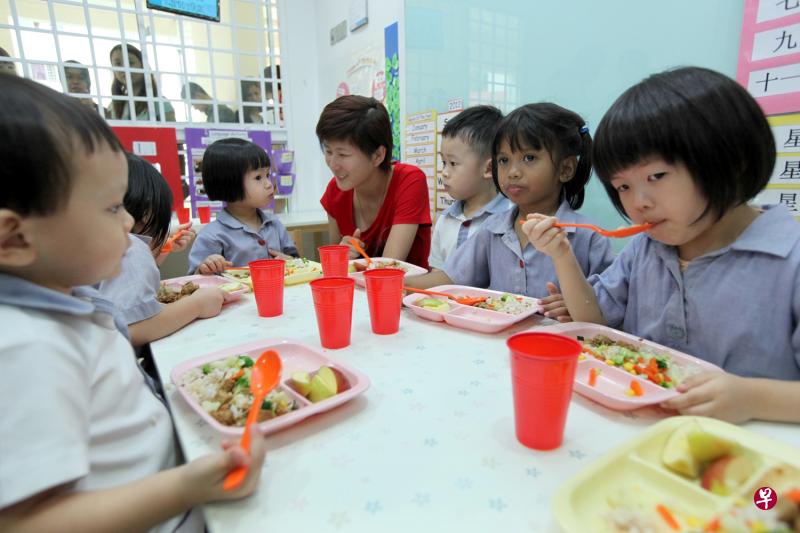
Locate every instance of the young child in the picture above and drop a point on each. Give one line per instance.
(87, 445)
(541, 162)
(467, 177)
(685, 150)
(237, 172)
(133, 291)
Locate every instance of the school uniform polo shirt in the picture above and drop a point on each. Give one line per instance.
(453, 228)
(77, 408)
(239, 243)
(494, 259)
(737, 307)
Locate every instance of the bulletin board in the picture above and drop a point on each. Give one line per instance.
(158, 146)
(784, 184)
(769, 55)
(421, 150)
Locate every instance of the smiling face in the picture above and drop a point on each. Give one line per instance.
(666, 195)
(530, 179)
(350, 166)
(83, 242)
(258, 189)
(463, 171)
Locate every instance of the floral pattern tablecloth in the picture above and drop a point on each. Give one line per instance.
(429, 447)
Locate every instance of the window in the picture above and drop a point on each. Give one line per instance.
(135, 64)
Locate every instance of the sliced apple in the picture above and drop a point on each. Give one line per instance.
(726, 474)
(707, 447)
(676, 454)
(301, 381)
(323, 385)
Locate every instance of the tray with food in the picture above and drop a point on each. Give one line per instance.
(690, 474)
(217, 385)
(172, 290)
(358, 266)
(298, 270)
(625, 372)
(493, 311)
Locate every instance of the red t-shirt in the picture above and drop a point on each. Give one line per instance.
(406, 202)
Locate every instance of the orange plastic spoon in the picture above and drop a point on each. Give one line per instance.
(167, 248)
(361, 251)
(619, 232)
(463, 300)
(265, 376)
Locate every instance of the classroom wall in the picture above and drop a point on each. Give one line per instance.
(580, 54)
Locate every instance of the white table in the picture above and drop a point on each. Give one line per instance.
(429, 447)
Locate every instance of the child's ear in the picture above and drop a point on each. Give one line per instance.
(568, 167)
(487, 171)
(378, 155)
(15, 249)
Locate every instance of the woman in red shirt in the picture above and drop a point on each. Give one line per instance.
(383, 205)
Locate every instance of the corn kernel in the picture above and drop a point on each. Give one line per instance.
(630, 392)
(693, 522)
(581, 357)
(628, 366)
(609, 362)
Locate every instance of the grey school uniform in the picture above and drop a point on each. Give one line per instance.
(737, 307)
(133, 291)
(492, 257)
(239, 243)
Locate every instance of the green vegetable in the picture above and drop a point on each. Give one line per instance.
(245, 361)
(662, 361)
(242, 383)
(207, 368)
(580, 338)
(266, 405)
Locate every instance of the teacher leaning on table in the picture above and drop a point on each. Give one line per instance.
(382, 205)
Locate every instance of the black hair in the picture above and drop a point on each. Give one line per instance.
(42, 133)
(360, 120)
(119, 88)
(192, 89)
(3, 52)
(225, 162)
(476, 126)
(82, 69)
(148, 200)
(560, 131)
(696, 117)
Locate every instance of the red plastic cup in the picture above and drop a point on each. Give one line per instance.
(267, 276)
(333, 304)
(334, 259)
(204, 213)
(385, 297)
(542, 374)
(183, 214)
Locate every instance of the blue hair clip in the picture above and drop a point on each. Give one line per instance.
(583, 129)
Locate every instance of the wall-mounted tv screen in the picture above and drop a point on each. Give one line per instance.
(204, 9)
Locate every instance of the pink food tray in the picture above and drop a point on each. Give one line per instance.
(612, 382)
(411, 270)
(295, 357)
(208, 281)
(466, 316)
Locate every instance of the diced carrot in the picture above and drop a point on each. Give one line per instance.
(712, 526)
(636, 387)
(668, 518)
(237, 375)
(640, 359)
(658, 378)
(653, 364)
(593, 376)
(639, 369)
(667, 378)
(793, 495)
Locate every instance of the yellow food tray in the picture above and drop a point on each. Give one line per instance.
(631, 481)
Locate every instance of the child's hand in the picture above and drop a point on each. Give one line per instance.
(183, 242)
(203, 477)
(279, 255)
(213, 264)
(208, 301)
(346, 241)
(544, 237)
(554, 305)
(715, 394)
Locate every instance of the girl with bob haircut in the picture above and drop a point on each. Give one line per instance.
(236, 171)
(541, 161)
(134, 290)
(89, 446)
(685, 150)
(383, 206)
